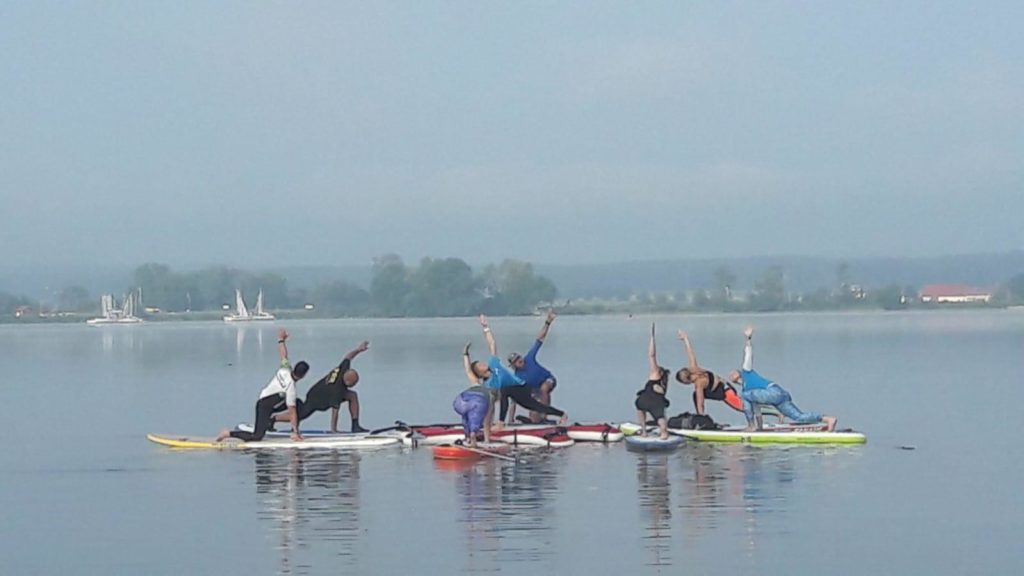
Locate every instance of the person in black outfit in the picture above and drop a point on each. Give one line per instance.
(332, 391)
(652, 398)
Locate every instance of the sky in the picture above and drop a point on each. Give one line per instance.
(328, 133)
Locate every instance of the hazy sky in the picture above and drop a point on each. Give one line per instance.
(259, 133)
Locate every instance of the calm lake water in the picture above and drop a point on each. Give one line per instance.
(83, 492)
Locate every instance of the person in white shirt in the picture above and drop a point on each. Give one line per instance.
(277, 395)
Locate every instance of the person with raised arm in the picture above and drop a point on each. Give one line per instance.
(759, 391)
(333, 390)
(510, 386)
(277, 395)
(706, 384)
(652, 398)
(539, 379)
(475, 404)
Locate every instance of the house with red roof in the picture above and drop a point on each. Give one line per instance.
(954, 294)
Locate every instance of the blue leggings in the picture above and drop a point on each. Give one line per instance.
(473, 409)
(777, 396)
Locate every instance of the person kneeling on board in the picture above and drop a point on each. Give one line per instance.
(652, 398)
(332, 391)
(276, 396)
(539, 379)
(475, 404)
(520, 391)
(759, 391)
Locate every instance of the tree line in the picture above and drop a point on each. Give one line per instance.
(433, 287)
(450, 287)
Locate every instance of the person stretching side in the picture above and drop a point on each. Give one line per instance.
(652, 398)
(518, 390)
(539, 379)
(758, 391)
(277, 395)
(475, 404)
(706, 385)
(332, 391)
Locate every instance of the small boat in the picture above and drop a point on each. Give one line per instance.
(242, 313)
(111, 315)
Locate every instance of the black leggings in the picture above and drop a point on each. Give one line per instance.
(523, 396)
(265, 409)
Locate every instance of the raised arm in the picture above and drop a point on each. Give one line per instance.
(362, 347)
(282, 348)
(689, 350)
(489, 336)
(468, 366)
(748, 349)
(547, 324)
(652, 356)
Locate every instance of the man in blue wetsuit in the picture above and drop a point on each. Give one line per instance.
(759, 391)
(539, 379)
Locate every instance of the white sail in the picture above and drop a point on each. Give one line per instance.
(242, 314)
(240, 310)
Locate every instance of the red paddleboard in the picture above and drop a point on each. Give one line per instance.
(465, 453)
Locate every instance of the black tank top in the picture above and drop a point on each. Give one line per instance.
(655, 387)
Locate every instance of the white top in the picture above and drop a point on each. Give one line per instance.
(281, 384)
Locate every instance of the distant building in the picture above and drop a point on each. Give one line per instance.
(953, 294)
(24, 312)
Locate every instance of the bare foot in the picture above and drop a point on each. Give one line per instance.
(498, 426)
(663, 436)
(563, 419)
(224, 434)
(830, 423)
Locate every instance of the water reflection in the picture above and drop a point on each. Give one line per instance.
(311, 498)
(507, 510)
(241, 333)
(655, 494)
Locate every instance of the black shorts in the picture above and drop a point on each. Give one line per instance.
(653, 404)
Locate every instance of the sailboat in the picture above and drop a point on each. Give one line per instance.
(242, 313)
(111, 315)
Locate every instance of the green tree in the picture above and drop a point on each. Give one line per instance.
(513, 288)
(725, 283)
(890, 298)
(341, 299)
(75, 299)
(1015, 288)
(389, 286)
(442, 288)
(770, 291)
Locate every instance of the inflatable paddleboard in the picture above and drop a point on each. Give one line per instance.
(775, 436)
(594, 433)
(535, 435)
(451, 452)
(630, 428)
(268, 443)
(652, 443)
(392, 433)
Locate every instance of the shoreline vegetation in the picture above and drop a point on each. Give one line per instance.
(449, 287)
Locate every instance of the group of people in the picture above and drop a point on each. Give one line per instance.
(526, 383)
(758, 392)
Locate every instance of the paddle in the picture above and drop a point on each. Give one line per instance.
(465, 446)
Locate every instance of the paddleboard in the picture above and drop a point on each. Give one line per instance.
(652, 443)
(594, 433)
(451, 452)
(776, 436)
(392, 433)
(273, 443)
(630, 428)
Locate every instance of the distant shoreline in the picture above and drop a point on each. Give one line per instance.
(290, 315)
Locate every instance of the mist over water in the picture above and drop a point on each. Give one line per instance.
(82, 488)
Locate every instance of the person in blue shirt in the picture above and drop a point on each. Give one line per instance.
(489, 375)
(759, 391)
(539, 379)
(509, 385)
